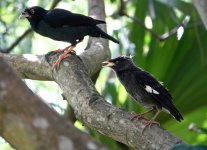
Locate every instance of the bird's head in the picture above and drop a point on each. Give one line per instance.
(34, 13)
(119, 63)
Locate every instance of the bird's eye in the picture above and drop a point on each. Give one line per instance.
(117, 62)
(32, 11)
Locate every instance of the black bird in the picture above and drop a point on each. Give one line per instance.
(144, 88)
(63, 25)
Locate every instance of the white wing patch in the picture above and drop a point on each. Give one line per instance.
(151, 90)
(161, 82)
(165, 110)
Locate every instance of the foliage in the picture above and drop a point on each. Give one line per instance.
(180, 64)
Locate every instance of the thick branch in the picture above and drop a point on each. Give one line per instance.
(35, 67)
(98, 50)
(29, 124)
(201, 7)
(30, 66)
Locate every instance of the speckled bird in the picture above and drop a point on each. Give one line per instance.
(143, 88)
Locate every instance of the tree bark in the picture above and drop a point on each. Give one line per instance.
(27, 123)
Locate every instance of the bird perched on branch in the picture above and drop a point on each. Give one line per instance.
(144, 88)
(63, 25)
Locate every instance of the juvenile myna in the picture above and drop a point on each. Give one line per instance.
(144, 88)
(63, 25)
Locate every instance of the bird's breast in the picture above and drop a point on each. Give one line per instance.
(135, 90)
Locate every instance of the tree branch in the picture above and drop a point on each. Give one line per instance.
(35, 67)
(121, 12)
(30, 66)
(164, 36)
(18, 40)
(36, 127)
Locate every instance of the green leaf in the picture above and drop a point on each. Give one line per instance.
(137, 33)
(198, 116)
(178, 4)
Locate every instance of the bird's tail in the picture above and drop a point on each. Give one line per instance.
(99, 33)
(175, 113)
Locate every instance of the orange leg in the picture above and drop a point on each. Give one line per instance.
(67, 52)
(152, 121)
(69, 49)
(58, 50)
(58, 61)
(61, 50)
(143, 115)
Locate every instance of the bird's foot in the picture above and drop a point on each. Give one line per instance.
(143, 115)
(67, 49)
(134, 116)
(70, 49)
(58, 61)
(73, 51)
(149, 123)
(66, 53)
(58, 50)
(50, 54)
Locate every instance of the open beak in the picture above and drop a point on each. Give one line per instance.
(108, 64)
(24, 15)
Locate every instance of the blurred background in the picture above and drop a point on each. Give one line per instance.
(167, 38)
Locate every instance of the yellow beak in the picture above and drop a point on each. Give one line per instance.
(24, 15)
(108, 64)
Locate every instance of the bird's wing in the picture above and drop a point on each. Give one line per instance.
(61, 17)
(158, 91)
(153, 87)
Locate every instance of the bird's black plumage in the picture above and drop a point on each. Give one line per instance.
(63, 25)
(142, 86)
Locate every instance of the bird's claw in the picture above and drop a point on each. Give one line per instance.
(58, 50)
(58, 61)
(72, 51)
(56, 65)
(149, 123)
(66, 53)
(138, 116)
